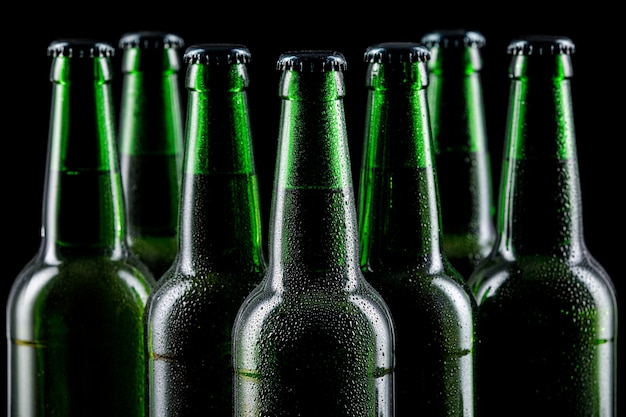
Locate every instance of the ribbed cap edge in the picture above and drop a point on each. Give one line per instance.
(80, 48)
(150, 40)
(454, 38)
(312, 61)
(396, 52)
(217, 54)
(541, 45)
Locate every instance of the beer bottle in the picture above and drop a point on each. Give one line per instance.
(314, 338)
(191, 311)
(457, 113)
(401, 240)
(74, 314)
(547, 309)
(151, 144)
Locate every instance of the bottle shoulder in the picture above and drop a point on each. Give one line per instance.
(270, 302)
(98, 272)
(411, 272)
(94, 287)
(183, 308)
(175, 289)
(422, 287)
(326, 320)
(541, 277)
(156, 252)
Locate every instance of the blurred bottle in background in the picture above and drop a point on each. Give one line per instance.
(151, 144)
(457, 113)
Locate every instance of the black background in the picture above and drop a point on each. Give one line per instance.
(268, 30)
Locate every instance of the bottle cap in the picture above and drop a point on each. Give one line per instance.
(551, 57)
(80, 48)
(396, 52)
(312, 61)
(150, 40)
(454, 38)
(217, 53)
(541, 45)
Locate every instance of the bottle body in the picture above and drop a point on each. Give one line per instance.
(75, 312)
(457, 112)
(314, 338)
(401, 250)
(541, 294)
(220, 259)
(76, 346)
(151, 145)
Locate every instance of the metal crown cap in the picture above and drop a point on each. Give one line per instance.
(541, 45)
(454, 38)
(217, 54)
(396, 52)
(150, 40)
(80, 48)
(312, 61)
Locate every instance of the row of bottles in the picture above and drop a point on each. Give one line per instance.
(151, 293)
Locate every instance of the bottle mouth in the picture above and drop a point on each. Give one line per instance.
(453, 38)
(312, 61)
(541, 45)
(396, 52)
(217, 54)
(80, 48)
(151, 40)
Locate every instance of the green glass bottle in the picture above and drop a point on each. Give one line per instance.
(457, 114)
(151, 144)
(547, 310)
(75, 312)
(220, 260)
(401, 240)
(314, 339)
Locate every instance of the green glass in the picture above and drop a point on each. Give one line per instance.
(547, 309)
(401, 240)
(314, 339)
(191, 311)
(75, 312)
(151, 144)
(459, 131)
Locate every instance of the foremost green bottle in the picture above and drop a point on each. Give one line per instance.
(314, 339)
(220, 260)
(547, 309)
(401, 240)
(75, 312)
(151, 144)
(457, 114)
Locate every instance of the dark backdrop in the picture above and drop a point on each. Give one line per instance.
(268, 30)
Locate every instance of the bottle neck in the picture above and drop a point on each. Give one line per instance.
(398, 200)
(150, 117)
(151, 141)
(220, 222)
(456, 105)
(83, 203)
(540, 201)
(313, 236)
